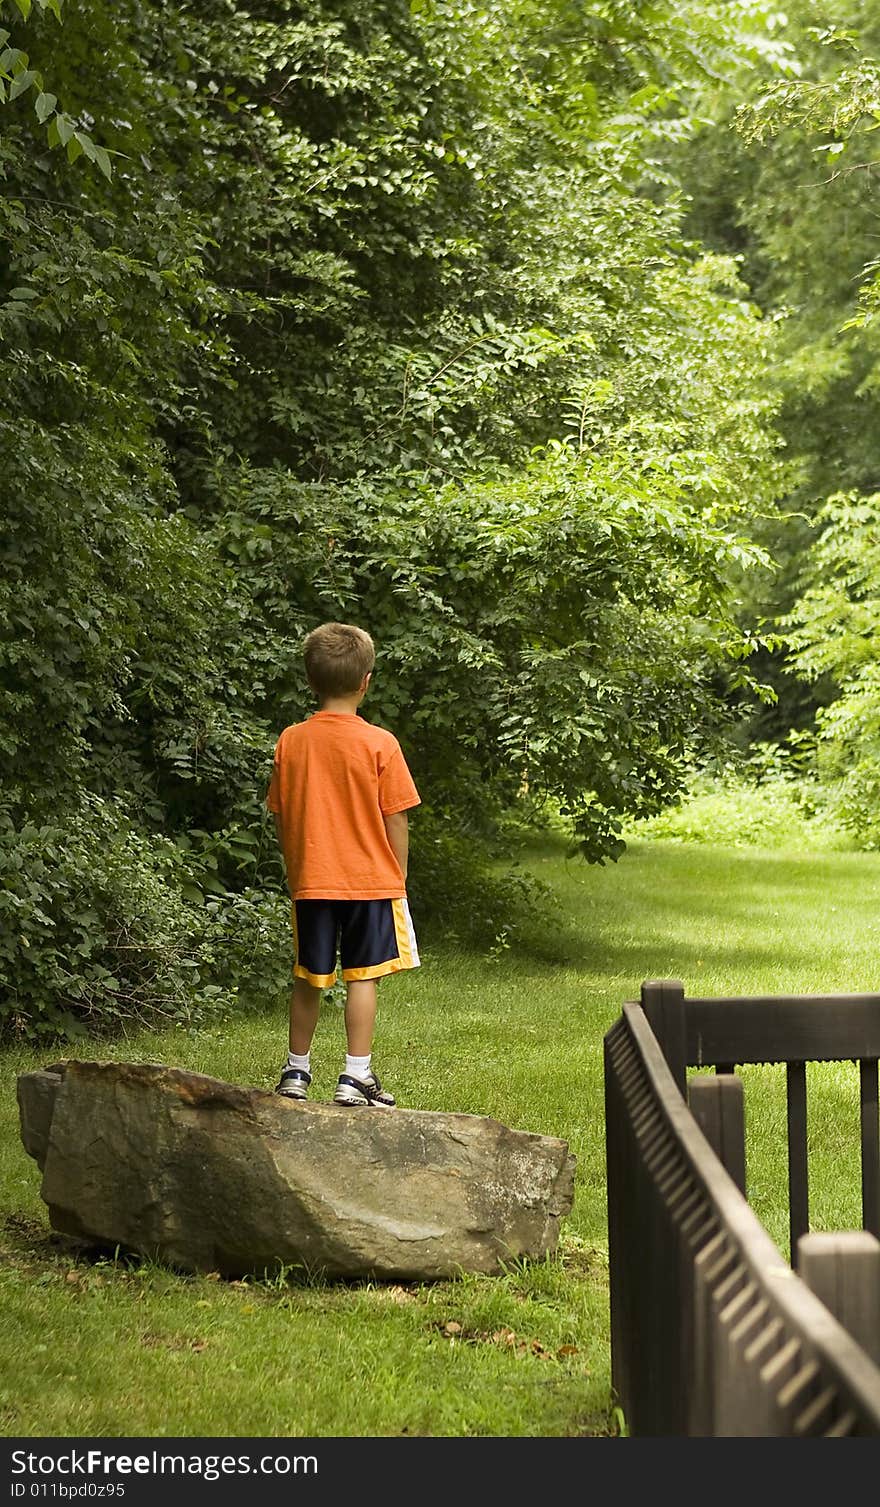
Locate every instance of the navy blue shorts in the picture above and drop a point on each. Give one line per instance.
(371, 937)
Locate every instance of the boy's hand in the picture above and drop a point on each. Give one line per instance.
(397, 829)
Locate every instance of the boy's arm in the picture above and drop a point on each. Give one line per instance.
(397, 828)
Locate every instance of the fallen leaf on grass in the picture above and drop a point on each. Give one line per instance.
(507, 1338)
(513, 1341)
(173, 1342)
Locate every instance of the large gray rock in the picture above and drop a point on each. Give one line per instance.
(210, 1176)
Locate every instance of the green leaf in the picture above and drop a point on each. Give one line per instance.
(53, 135)
(24, 293)
(21, 82)
(25, 7)
(65, 129)
(74, 148)
(86, 143)
(102, 159)
(44, 104)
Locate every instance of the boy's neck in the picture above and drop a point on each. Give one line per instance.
(342, 705)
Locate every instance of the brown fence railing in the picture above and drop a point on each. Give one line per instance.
(712, 1332)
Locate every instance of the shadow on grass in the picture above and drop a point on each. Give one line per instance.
(42, 1254)
(738, 886)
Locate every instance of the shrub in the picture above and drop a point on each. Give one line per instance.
(747, 805)
(463, 888)
(96, 933)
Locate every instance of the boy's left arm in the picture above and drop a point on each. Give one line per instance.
(397, 829)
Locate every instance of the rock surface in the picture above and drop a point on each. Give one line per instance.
(210, 1176)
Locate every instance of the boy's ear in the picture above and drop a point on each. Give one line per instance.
(366, 681)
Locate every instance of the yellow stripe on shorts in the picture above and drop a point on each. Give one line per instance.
(405, 935)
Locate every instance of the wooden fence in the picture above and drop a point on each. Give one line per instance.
(712, 1331)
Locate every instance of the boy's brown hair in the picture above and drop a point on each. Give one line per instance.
(337, 657)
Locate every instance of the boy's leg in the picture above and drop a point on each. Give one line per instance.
(358, 1084)
(305, 1006)
(314, 929)
(376, 939)
(360, 1016)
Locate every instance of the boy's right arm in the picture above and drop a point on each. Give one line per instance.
(397, 828)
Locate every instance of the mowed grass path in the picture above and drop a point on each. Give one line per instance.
(92, 1347)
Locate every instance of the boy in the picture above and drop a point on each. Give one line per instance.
(340, 792)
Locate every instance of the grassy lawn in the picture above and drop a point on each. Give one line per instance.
(113, 1347)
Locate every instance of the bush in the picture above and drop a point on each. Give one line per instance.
(756, 804)
(463, 888)
(96, 934)
(853, 796)
(246, 945)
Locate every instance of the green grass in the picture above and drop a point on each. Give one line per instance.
(110, 1348)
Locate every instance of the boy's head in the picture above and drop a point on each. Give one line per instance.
(338, 659)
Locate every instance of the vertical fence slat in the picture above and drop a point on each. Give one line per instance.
(663, 1003)
(718, 1108)
(798, 1185)
(843, 1269)
(870, 1146)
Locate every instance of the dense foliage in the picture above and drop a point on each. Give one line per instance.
(313, 310)
(799, 169)
(778, 171)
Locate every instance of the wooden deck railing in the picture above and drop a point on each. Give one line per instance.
(728, 1032)
(712, 1332)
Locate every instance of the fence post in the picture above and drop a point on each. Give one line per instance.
(843, 1270)
(717, 1106)
(663, 1004)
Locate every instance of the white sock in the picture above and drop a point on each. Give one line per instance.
(357, 1067)
(301, 1062)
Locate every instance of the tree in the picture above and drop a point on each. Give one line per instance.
(387, 317)
(776, 168)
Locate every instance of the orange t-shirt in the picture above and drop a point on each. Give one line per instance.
(334, 779)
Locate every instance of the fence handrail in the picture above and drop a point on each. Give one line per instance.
(783, 1028)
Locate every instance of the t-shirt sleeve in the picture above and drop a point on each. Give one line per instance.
(273, 794)
(397, 791)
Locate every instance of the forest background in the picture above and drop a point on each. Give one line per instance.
(539, 339)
